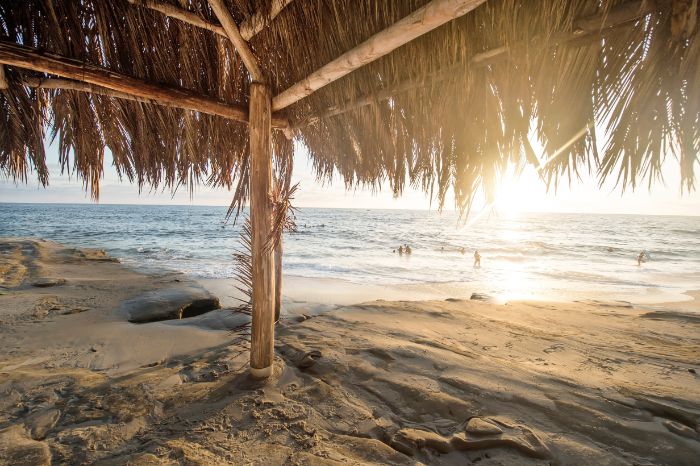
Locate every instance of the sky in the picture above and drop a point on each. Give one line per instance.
(524, 194)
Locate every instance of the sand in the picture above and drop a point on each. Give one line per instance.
(384, 382)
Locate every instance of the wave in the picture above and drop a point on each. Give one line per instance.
(565, 252)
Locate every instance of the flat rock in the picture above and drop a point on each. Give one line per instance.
(681, 429)
(308, 359)
(411, 441)
(48, 282)
(41, 422)
(481, 297)
(98, 255)
(17, 449)
(169, 303)
(479, 426)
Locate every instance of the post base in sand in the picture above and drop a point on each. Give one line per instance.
(263, 373)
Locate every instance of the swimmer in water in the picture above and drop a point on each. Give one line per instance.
(477, 259)
(401, 250)
(408, 249)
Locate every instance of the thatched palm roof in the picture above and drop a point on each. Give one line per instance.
(449, 109)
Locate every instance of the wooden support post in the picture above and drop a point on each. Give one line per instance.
(278, 278)
(262, 350)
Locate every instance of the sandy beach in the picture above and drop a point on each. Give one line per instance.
(102, 364)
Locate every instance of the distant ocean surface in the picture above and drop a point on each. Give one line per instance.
(546, 256)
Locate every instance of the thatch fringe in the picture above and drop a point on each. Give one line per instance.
(632, 91)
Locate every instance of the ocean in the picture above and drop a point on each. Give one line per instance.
(529, 256)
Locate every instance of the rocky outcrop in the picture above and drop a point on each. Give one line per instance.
(169, 304)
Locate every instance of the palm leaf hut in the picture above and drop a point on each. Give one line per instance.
(439, 94)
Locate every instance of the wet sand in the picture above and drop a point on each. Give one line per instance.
(384, 382)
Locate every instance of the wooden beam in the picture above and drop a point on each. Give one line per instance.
(421, 21)
(171, 11)
(256, 23)
(684, 18)
(70, 85)
(262, 350)
(36, 60)
(234, 35)
(583, 27)
(248, 28)
(590, 27)
(3, 79)
(163, 94)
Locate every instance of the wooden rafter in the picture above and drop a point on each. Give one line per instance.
(171, 11)
(588, 28)
(256, 23)
(3, 78)
(248, 29)
(32, 59)
(71, 85)
(234, 35)
(684, 18)
(421, 21)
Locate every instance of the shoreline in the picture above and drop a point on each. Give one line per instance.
(438, 381)
(339, 292)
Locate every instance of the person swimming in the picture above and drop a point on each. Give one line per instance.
(401, 250)
(477, 259)
(408, 249)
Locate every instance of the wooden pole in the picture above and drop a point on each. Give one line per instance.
(585, 29)
(421, 21)
(172, 11)
(255, 24)
(278, 278)
(71, 85)
(684, 17)
(3, 79)
(262, 349)
(234, 35)
(32, 59)
(248, 28)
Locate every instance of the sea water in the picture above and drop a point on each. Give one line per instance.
(541, 256)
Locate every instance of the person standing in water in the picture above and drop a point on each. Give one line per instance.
(641, 258)
(477, 259)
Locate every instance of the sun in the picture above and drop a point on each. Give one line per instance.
(519, 192)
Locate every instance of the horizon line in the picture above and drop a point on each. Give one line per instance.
(454, 210)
